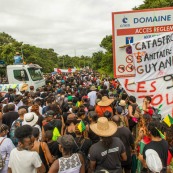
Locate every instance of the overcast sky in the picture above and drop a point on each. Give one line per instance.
(67, 26)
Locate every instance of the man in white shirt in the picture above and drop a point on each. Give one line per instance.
(92, 96)
(22, 159)
(107, 83)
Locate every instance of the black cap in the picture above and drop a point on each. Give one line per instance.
(49, 113)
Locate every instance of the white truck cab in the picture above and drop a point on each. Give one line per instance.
(30, 74)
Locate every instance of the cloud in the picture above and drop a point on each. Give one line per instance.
(67, 26)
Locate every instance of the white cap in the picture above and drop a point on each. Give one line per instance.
(153, 160)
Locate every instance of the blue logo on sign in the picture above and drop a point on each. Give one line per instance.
(125, 20)
(129, 40)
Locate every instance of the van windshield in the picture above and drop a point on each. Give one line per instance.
(35, 74)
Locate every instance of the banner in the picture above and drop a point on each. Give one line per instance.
(132, 26)
(159, 89)
(153, 58)
(4, 87)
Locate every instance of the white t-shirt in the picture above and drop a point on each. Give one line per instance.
(92, 96)
(6, 147)
(24, 161)
(107, 84)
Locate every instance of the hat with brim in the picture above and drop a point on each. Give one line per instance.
(93, 88)
(103, 127)
(122, 103)
(105, 101)
(30, 119)
(17, 53)
(24, 87)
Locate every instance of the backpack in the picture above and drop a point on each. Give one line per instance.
(12, 131)
(2, 161)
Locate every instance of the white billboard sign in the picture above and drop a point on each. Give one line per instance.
(132, 26)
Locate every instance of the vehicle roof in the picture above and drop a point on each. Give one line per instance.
(22, 65)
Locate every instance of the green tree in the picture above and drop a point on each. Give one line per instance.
(154, 4)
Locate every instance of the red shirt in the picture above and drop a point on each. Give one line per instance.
(100, 110)
(150, 111)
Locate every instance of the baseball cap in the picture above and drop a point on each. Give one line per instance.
(153, 160)
(49, 113)
(67, 141)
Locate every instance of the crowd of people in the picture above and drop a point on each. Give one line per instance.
(81, 122)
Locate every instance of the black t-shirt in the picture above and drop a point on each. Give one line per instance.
(9, 117)
(52, 124)
(109, 159)
(161, 147)
(126, 137)
(54, 149)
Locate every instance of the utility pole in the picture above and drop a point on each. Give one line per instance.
(63, 62)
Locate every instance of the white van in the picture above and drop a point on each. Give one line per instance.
(30, 74)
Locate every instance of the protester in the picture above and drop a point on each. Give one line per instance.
(6, 147)
(70, 162)
(146, 106)
(32, 119)
(21, 158)
(70, 125)
(103, 106)
(9, 117)
(126, 137)
(17, 58)
(92, 96)
(155, 153)
(17, 123)
(52, 145)
(42, 149)
(109, 150)
(93, 117)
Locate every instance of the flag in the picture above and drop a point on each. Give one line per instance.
(78, 103)
(69, 70)
(58, 70)
(161, 134)
(56, 134)
(81, 126)
(168, 120)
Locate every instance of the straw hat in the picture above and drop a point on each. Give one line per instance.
(122, 103)
(17, 53)
(103, 127)
(30, 119)
(93, 88)
(24, 87)
(105, 101)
